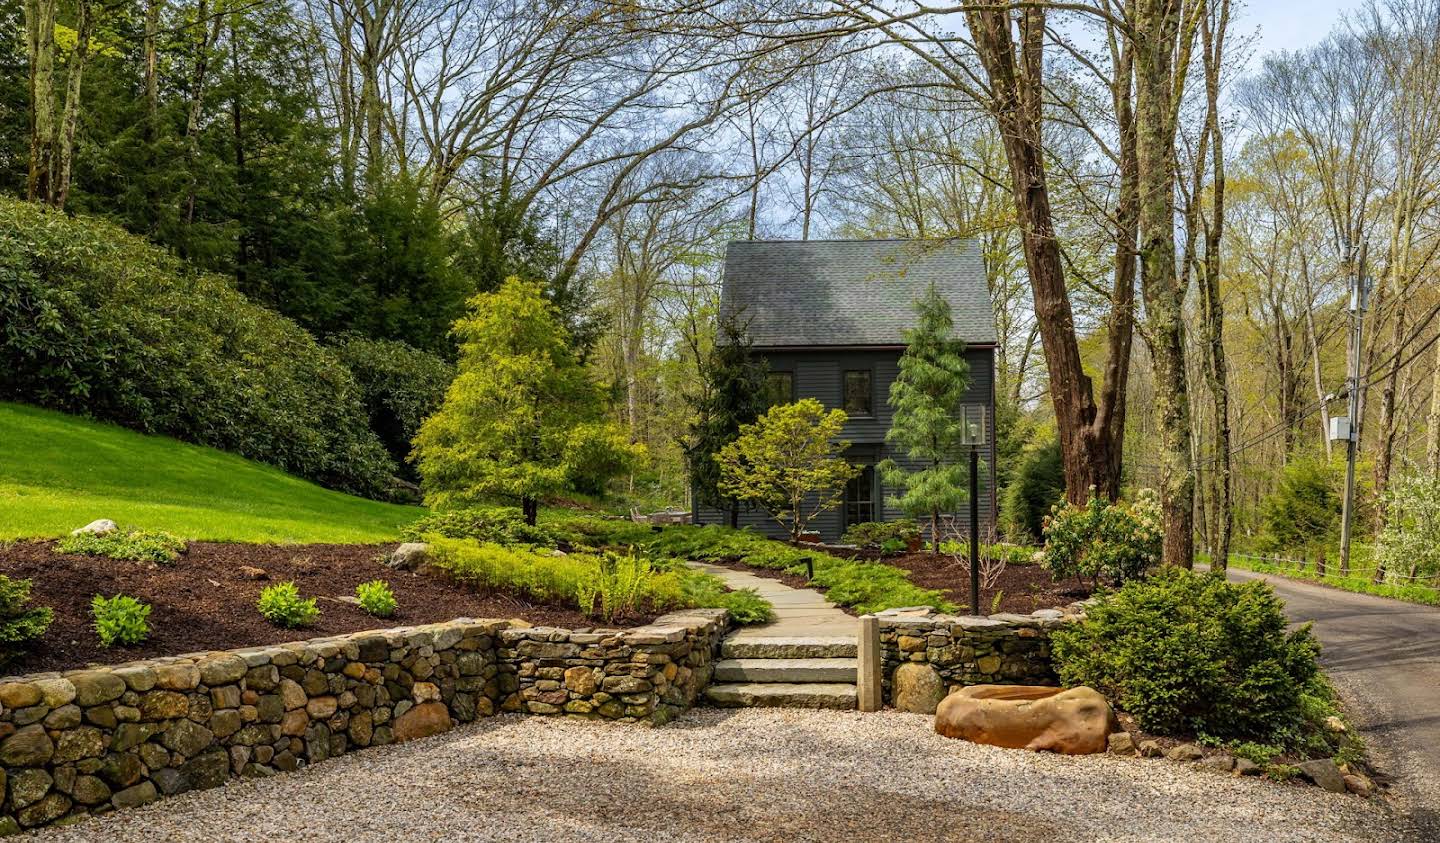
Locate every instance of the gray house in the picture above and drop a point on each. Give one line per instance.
(828, 317)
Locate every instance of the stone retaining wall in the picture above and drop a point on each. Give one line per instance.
(1001, 649)
(88, 742)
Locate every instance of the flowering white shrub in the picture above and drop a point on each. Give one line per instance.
(1409, 546)
(1100, 540)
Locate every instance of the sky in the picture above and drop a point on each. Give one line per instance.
(1290, 24)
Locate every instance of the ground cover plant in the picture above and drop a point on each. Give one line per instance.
(282, 605)
(607, 585)
(135, 545)
(1192, 654)
(120, 620)
(58, 472)
(497, 524)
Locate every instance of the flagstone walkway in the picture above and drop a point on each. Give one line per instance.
(799, 612)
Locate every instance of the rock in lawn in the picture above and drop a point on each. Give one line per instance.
(1077, 721)
(408, 556)
(1185, 752)
(100, 527)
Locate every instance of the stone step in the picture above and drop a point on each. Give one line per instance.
(785, 670)
(832, 695)
(786, 647)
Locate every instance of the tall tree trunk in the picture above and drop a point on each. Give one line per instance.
(1089, 444)
(65, 152)
(1157, 25)
(40, 45)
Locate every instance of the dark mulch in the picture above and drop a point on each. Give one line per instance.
(1024, 588)
(205, 602)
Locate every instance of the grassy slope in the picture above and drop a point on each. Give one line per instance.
(58, 472)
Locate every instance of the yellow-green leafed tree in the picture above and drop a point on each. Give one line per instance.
(789, 463)
(523, 419)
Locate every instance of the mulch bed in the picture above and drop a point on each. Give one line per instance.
(1025, 587)
(204, 601)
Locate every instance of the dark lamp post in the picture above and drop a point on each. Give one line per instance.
(976, 435)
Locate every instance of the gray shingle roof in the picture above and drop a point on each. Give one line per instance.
(852, 292)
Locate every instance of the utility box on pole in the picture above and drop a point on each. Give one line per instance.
(1340, 429)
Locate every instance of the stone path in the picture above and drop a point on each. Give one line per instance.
(805, 658)
(799, 612)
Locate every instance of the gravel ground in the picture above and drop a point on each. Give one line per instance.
(739, 775)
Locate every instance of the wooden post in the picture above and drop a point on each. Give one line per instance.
(868, 690)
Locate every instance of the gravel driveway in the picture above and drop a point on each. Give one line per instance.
(739, 775)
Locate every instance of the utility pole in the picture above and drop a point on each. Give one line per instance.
(1359, 300)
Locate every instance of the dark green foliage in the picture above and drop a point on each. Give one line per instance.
(1192, 653)
(135, 545)
(376, 598)
(1037, 484)
(100, 323)
(282, 605)
(400, 387)
(120, 620)
(19, 624)
(731, 395)
(1302, 515)
(499, 524)
(878, 533)
(928, 426)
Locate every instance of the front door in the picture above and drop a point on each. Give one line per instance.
(860, 498)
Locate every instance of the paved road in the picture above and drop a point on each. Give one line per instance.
(1385, 657)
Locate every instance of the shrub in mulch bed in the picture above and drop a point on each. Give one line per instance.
(206, 600)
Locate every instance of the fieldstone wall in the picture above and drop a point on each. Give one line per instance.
(88, 742)
(648, 674)
(1003, 649)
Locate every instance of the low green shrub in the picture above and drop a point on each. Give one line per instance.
(1186, 652)
(135, 545)
(400, 386)
(592, 531)
(120, 619)
(376, 598)
(282, 605)
(870, 587)
(745, 605)
(20, 623)
(497, 524)
(618, 586)
(882, 533)
(1104, 541)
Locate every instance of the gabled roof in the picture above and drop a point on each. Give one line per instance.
(852, 292)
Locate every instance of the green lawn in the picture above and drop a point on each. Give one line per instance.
(59, 472)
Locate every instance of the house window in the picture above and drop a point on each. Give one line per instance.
(857, 398)
(860, 497)
(779, 388)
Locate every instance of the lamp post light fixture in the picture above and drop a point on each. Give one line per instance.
(976, 435)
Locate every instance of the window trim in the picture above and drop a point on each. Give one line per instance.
(869, 373)
(874, 506)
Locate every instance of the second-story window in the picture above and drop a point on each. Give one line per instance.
(858, 392)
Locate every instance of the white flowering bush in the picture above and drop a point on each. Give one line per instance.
(1409, 546)
(1102, 541)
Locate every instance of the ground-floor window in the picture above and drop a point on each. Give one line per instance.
(860, 497)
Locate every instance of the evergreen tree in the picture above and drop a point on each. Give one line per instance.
(731, 396)
(522, 420)
(927, 426)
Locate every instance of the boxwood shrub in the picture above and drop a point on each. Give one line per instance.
(99, 322)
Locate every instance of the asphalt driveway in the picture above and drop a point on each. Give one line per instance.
(1384, 655)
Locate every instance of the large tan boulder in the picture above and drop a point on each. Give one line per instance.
(1075, 721)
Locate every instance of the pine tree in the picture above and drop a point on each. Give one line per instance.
(731, 396)
(928, 427)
